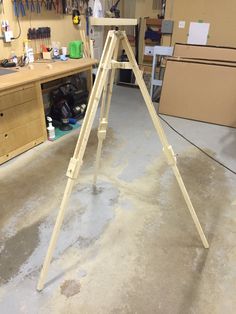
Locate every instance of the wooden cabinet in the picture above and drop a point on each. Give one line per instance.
(22, 122)
(22, 116)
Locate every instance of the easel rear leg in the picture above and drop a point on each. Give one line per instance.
(105, 109)
(166, 147)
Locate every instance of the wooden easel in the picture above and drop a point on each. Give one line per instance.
(104, 84)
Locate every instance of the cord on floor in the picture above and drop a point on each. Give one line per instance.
(199, 148)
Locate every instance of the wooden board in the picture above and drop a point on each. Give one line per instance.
(94, 21)
(205, 52)
(200, 91)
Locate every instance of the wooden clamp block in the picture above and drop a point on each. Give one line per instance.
(171, 158)
(73, 168)
(106, 67)
(102, 129)
(120, 65)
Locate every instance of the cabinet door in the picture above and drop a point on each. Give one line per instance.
(21, 136)
(16, 97)
(22, 120)
(18, 115)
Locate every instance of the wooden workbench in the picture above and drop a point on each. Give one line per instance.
(22, 117)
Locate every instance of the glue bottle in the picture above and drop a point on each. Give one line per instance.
(51, 129)
(29, 52)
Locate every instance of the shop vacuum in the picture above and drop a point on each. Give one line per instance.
(67, 102)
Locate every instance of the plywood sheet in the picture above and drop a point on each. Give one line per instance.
(200, 91)
(205, 52)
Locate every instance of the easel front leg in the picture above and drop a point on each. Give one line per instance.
(167, 148)
(76, 160)
(55, 233)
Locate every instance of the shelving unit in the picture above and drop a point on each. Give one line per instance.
(155, 24)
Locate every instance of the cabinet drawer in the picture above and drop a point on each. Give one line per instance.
(18, 137)
(18, 115)
(14, 98)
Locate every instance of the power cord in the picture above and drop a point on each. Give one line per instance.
(19, 26)
(199, 148)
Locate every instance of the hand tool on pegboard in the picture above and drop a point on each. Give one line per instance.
(32, 6)
(27, 4)
(63, 3)
(2, 7)
(22, 8)
(19, 8)
(88, 13)
(38, 7)
(57, 3)
(15, 7)
(43, 2)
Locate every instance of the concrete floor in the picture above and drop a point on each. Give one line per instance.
(130, 246)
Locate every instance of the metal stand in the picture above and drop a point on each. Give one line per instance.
(105, 74)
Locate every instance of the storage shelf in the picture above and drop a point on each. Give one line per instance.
(153, 22)
(148, 22)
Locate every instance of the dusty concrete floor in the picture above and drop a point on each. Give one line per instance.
(130, 246)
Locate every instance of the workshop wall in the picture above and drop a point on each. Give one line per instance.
(220, 14)
(144, 8)
(62, 29)
(139, 8)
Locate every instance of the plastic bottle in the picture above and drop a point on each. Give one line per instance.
(29, 53)
(14, 57)
(51, 129)
(56, 49)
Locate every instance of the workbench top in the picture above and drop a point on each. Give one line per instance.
(43, 72)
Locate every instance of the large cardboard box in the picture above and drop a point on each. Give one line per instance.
(205, 52)
(200, 90)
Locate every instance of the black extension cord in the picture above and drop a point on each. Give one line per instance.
(199, 148)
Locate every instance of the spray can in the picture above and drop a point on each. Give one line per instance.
(51, 129)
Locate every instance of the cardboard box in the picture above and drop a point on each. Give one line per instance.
(197, 90)
(205, 52)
